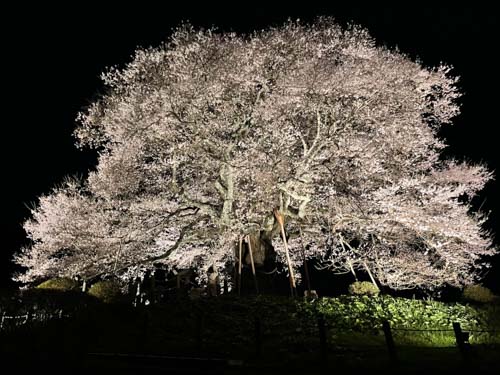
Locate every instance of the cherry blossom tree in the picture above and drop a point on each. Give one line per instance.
(311, 141)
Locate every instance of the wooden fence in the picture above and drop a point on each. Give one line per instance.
(33, 318)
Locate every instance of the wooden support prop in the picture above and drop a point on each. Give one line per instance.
(352, 271)
(281, 221)
(304, 260)
(370, 274)
(239, 265)
(152, 284)
(235, 274)
(252, 264)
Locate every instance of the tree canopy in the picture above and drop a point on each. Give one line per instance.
(202, 138)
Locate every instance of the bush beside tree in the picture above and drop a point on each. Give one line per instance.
(478, 293)
(363, 288)
(61, 284)
(107, 291)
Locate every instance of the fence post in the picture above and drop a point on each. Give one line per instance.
(199, 332)
(386, 327)
(462, 339)
(322, 335)
(145, 324)
(258, 337)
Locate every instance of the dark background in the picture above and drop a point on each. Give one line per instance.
(53, 56)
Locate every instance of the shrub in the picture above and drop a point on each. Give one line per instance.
(48, 300)
(478, 293)
(61, 284)
(107, 291)
(363, 313)
(364, 288)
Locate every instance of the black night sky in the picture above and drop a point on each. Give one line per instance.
(54, 57)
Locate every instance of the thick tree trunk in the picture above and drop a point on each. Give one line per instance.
(258, 250)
